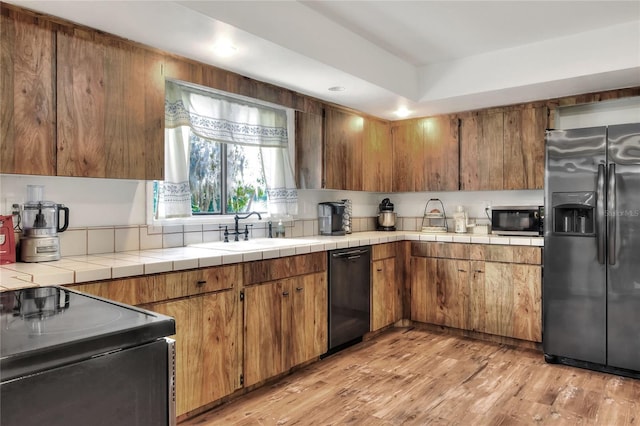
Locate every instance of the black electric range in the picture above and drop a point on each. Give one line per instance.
(47, 327)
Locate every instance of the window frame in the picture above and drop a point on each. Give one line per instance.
(215, 218)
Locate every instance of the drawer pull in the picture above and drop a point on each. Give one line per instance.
(285, 293)
(299, 288)
(201, 282)
(379, 269)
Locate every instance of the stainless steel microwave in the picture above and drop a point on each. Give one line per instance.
(517, 220)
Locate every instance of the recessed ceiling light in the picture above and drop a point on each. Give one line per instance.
(337, 89)
(224, 48)
(402, 112)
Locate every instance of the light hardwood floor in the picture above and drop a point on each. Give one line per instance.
(417, 377)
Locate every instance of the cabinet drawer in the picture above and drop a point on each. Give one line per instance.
(440, 250)
(284, 267)
(132, 291)
(506, 254)
(188, 283)
(383, 251)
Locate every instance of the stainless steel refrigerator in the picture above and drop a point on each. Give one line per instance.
(591, 279)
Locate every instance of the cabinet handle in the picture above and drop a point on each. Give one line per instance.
(479, 271)
(461, 270)
(379, 269)
(201, 282)
(299, 288)
(285, 293)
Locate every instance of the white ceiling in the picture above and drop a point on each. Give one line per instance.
(429, 56)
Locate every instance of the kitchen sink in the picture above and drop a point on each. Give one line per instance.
(256, 244)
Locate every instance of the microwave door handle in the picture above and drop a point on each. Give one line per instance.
(613, 217)
(600, 214)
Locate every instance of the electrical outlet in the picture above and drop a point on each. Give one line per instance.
(486, 204)
(8, 208)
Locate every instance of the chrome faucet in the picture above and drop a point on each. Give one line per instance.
(246, 227)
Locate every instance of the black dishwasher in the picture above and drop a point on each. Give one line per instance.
(349, 295)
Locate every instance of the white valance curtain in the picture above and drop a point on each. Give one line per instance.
(219, 118)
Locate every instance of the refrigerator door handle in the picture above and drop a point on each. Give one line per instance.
(612, 214)
(600, 214)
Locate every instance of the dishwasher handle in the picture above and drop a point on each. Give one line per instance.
(351, 254)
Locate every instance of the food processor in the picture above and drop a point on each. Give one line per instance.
(41, 224)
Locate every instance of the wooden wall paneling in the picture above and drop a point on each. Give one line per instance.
(377, 158)
(27, 94)
(310, 166)
(408, 156)
(441, 153)
(177, 68)
(81, 105)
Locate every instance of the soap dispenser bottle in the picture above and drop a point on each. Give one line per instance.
(280, 229)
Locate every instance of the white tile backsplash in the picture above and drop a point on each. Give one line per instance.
(100, 240)
(150, 240)
(73, 242)
(127, 239)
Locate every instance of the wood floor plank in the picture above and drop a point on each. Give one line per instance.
(418, 377)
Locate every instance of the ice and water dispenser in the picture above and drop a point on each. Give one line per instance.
(574, 213)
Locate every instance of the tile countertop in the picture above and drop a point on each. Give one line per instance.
(79, 269)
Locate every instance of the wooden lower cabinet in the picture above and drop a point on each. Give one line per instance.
(505, 300)
(439, 291)
(207, 350)
(386, 287)
(492, 289)
(285, 325)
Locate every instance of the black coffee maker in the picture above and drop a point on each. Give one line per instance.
(330, 217)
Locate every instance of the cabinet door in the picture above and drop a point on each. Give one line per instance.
(309, 151)
(481, 152)
(440, 154)
(308, 337)
(524, 133)
(386, 298)
(220, 370)
(102, 110)
(27, 95)
(343, 150)
(207, 358)
(527, 304)
(408, 156)
(377, 160)
(439, 291)
(186, 313)
(452, 289)
(263, 306)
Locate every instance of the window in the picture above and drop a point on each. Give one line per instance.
(223, 155)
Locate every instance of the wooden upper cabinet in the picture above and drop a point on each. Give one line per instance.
(344, 134)
(503, 149)
(425, 154)
(481, 151)
(309, 151)
(408, 156)
(102, 107)
(524, 133)
(27, 94)
(441, 153)
(377, 156)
